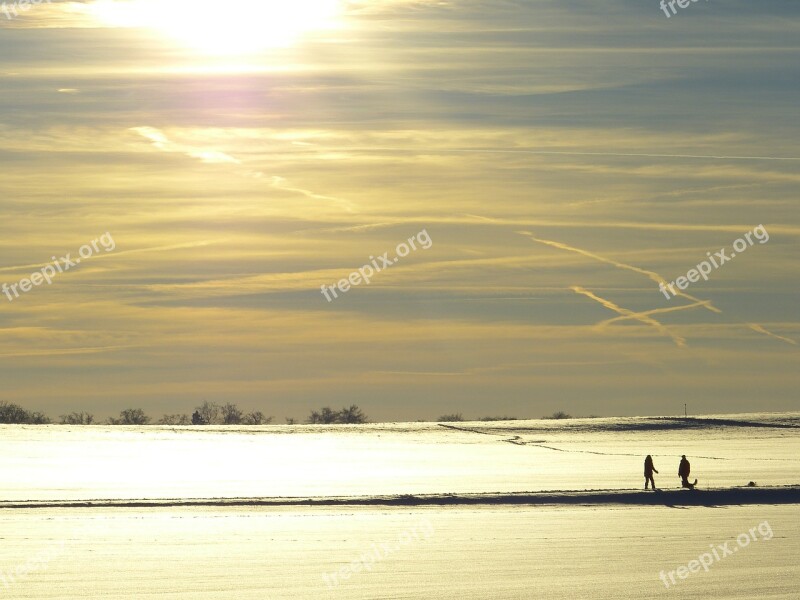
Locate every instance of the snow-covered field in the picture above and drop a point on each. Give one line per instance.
(493, 549)
(60, 462)
(471, 553)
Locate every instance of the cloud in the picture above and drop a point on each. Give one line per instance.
(197, 244)
(282, 184)
(62, 351)
(237, 186)
(160, 141)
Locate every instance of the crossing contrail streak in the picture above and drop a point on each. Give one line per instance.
(647, 313)
(650, 274)
(641, 317)
(696, 302)
(758, 328)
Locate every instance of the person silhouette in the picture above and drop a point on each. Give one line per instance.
(649, 469)
(683, 472)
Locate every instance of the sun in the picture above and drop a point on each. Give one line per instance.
(230, 27)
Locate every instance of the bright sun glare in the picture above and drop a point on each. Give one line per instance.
(230, 27)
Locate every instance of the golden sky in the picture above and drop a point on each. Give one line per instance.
(562, 156)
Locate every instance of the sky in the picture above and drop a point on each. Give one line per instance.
(563, 158)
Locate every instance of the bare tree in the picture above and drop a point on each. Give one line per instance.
(231, 415)
(175, 420)
(38, 418)
(77, 418)
(256, 418)
(323, 417)
(130, 416)
(209, 414)
(351, 414)
(15, 414)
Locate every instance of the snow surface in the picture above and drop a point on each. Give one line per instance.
(69, 463)
(545, 548)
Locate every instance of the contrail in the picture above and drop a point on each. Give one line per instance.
(64, 352)
(696, 302)
(760, 329)
(647, 313)
(652, 275)
(629, 314)
(565, 153)
(122, 252)
(282, 184)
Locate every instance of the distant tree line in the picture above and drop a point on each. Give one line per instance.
(210, 413)
(456, 417)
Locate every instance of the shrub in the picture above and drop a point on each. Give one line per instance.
(454, 418)
(352, 415)
(559, 415)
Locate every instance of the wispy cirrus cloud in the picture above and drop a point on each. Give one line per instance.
(236, 186)
(160, 141)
